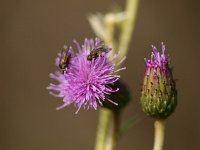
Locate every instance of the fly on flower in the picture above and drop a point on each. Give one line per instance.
(97, 52)
(64, 59)
(86, 84)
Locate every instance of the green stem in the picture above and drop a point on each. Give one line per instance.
(113, 134)
(108, 127)
(108, 130)
(102, 129)
(159, 134)
(128, 26)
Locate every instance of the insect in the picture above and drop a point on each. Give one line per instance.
(64, 60)
(97, 52)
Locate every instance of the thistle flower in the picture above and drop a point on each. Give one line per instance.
(159, 94)
(86, 83)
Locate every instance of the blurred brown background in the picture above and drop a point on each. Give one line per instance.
(31, 34)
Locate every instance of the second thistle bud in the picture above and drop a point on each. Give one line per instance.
(159, 94)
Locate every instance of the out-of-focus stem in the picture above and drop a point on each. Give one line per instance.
(108, 126)
(128, 26)
(108, 129)
(159, 134)
(103, 128)
(110, 28)
(114, 131)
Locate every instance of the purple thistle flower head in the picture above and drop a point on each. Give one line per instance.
(85, 83)
(157, 59)
(159, 94)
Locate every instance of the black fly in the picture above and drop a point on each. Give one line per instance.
(97, 52)
(64, 60)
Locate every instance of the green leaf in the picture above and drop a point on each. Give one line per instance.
(128, 124)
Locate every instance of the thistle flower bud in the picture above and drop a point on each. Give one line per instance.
(159, 94)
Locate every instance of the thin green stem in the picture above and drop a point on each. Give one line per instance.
(159, 134)
(108, 130)
(128, 26)
(113, 134)
(108, 127)
(103, 128)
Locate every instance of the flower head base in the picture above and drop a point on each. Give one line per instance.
(121, 97)
(86, 83)
(159, 94)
